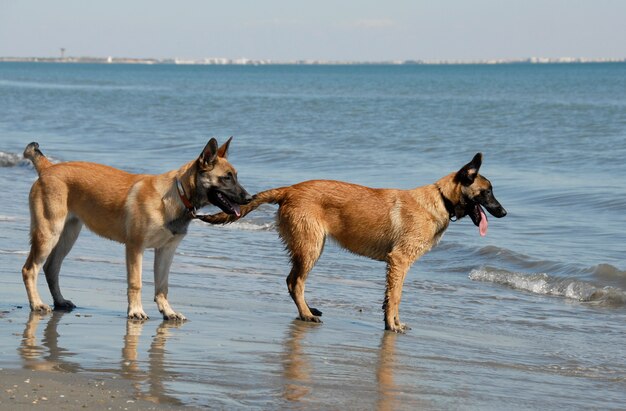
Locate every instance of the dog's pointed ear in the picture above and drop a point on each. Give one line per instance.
(209, 154)
(468, 173)
(223, 150)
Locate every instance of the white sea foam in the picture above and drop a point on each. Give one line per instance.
(249, 226)
(545, 284)
(15, 160)
(74, 86)
(15, 252)
(12, 160)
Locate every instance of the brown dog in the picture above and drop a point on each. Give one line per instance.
(395, 226)
(139, 210)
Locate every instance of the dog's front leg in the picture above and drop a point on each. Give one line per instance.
(162, 262)
(398, 265)
(134, 257)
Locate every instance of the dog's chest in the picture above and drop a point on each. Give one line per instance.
(162, 235)
(178, 226)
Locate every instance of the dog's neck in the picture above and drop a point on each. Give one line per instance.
(448, 205)
(181, 209)
(185, 186)
(191, 209)
(185, 194)
(451, 198)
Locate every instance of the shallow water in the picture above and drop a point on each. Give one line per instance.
(531, 316)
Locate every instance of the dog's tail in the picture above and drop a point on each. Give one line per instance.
(273, 196)
(35, 155)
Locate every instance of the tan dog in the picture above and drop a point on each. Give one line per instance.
(139, 210)
(395, 226)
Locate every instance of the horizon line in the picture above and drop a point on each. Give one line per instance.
(249, 61)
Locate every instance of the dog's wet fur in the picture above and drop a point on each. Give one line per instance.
(139, 210)
(395, 226)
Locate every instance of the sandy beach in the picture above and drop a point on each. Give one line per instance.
(49, 380)
(254, 358)
(28, 389)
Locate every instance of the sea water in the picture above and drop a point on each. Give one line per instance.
(533, 315)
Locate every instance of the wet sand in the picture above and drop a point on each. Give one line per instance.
(29, 389)
(231, 354)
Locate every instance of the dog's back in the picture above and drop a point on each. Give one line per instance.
(366, 221)
(94, 193)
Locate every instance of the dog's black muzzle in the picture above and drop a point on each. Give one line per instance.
(474, 209)
(495, 209)
(229, 200)
(487, 200)
(246, 197)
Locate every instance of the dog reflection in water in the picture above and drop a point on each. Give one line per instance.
(147, 377)
(46, 355)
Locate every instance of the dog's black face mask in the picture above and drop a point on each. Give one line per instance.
(477, 193)
(216, 180)
(229, 194)
(474, 208)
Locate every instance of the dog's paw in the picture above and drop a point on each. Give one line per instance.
(137, 315)
(403, 327)
(65, 305)
(398, 329)
(310, 319)
(40, 308)
(174, 317)
(315, 311)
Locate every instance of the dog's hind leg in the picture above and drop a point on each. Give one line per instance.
(30, 271)
(47, 221)
(305, 248)
(51, 268)
(295, 284)
(162, 262)
(398, 265)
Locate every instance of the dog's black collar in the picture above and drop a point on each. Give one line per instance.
(448, 205)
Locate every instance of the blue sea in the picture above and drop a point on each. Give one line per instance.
(532, 316)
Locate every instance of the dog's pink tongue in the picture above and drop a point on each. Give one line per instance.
(482, 227)
(237, 210)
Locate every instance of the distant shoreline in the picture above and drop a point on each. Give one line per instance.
(257, 62)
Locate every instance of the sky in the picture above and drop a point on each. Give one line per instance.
(345, 30)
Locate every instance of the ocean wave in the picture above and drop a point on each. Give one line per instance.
(89, 259)
(250, 226)
(15, 252)
(607, 270)
(544, 284)
(18, 160)
(610, 275)
(74, 86)
(513, 260)
(595, 198)
(12, 160)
